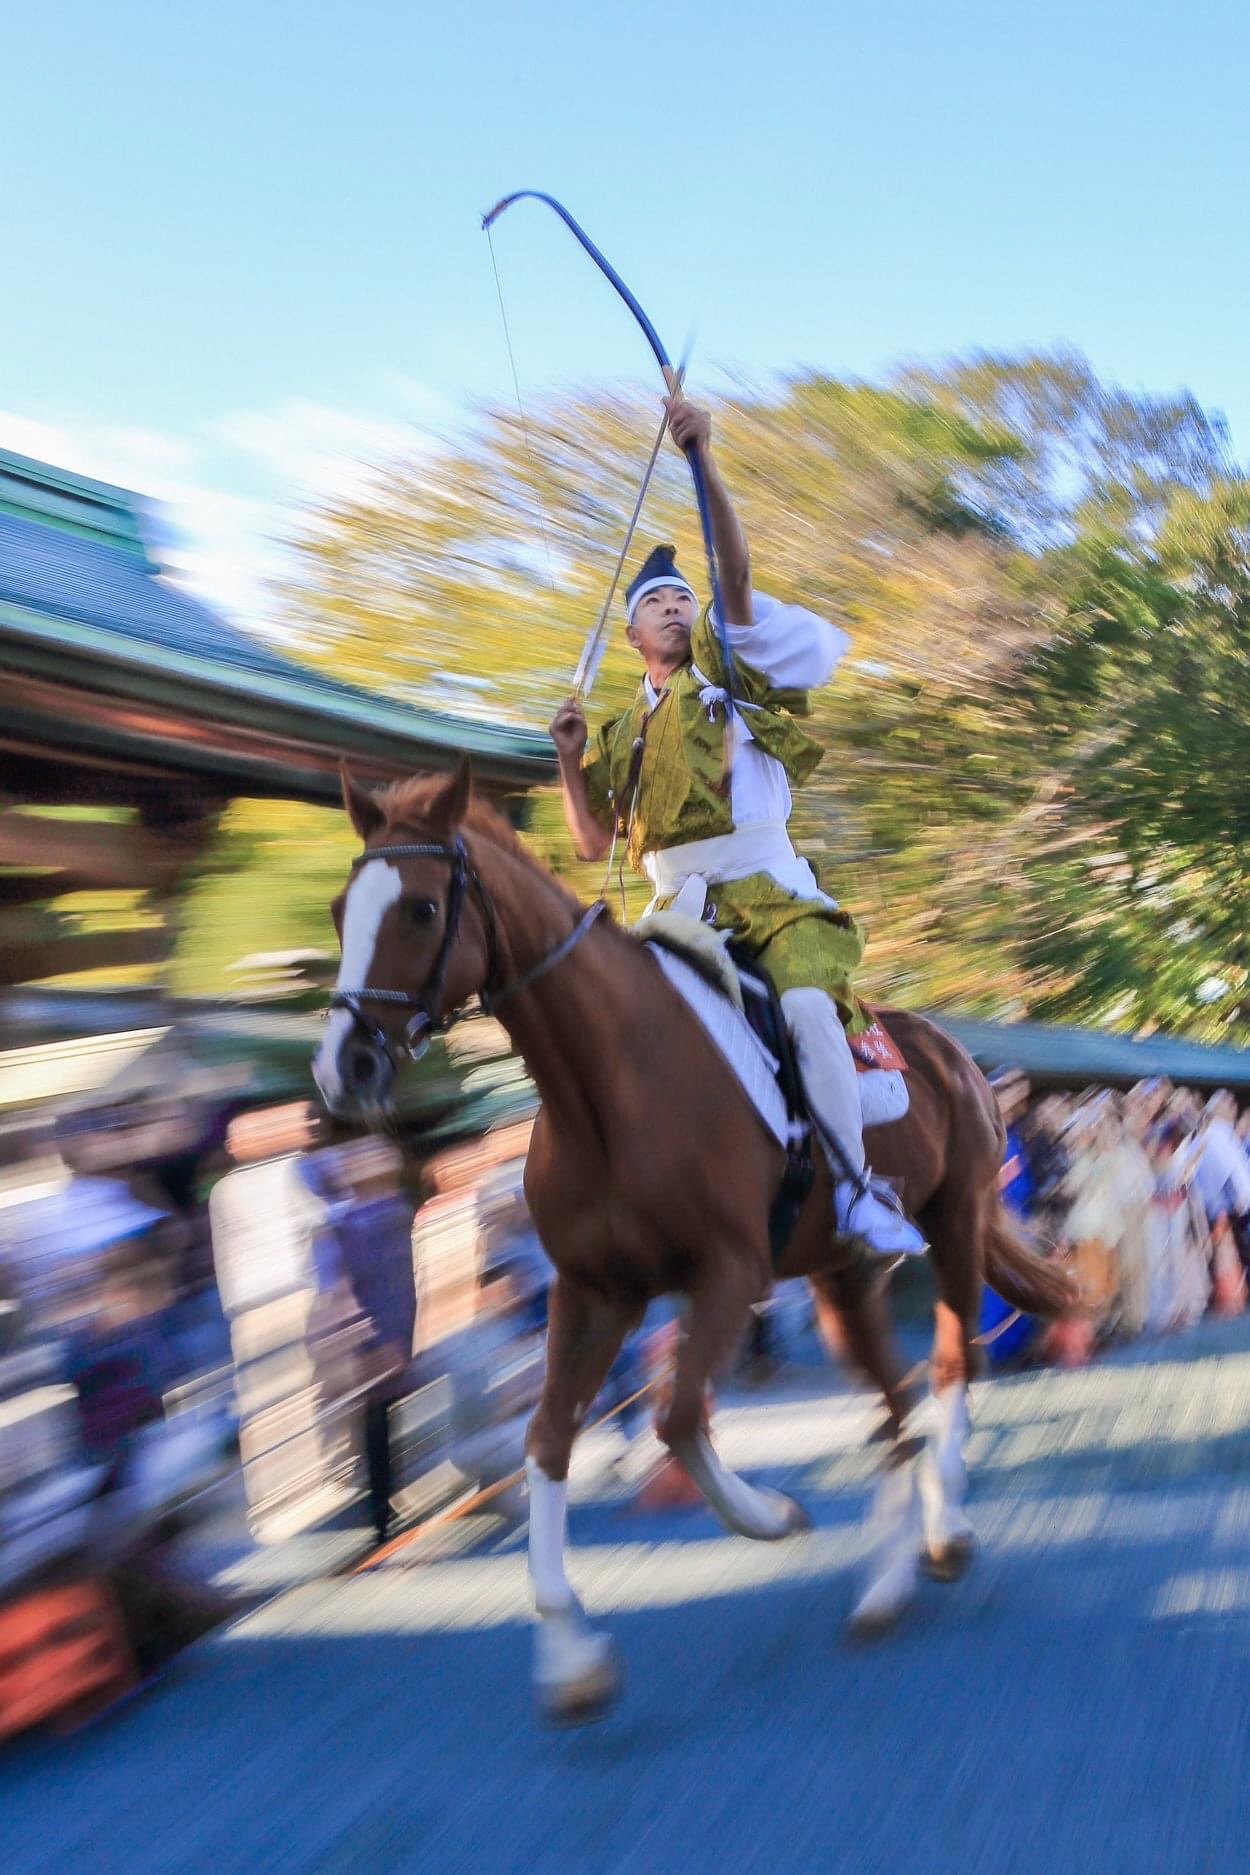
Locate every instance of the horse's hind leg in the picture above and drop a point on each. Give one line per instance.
(955, 1221)
(852, 1313)
(575, 1669)
(855, 1325)
(719, 1307)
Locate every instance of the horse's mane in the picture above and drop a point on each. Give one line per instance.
(411, 802)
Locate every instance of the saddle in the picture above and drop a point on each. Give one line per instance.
(751, 990)
(746, 986)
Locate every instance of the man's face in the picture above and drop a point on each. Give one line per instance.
(661, 626)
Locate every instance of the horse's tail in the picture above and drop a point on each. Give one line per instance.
(1035, 1284)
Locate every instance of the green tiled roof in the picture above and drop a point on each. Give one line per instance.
(80, 594)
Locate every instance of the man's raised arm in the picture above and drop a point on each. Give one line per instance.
(689, 425)
(568, 731)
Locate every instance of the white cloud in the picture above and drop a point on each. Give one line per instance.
(225, 545)
(129, 458)
(316, 450)
(217, 544)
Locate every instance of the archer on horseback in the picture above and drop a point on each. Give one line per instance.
(697, 777)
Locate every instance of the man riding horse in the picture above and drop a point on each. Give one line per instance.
(697, 779)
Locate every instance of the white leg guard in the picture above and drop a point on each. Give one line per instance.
(863, 1209)
(549, 1499)
(893, 1570)
(575, 1672)
(944, 1479)
(828, 1068)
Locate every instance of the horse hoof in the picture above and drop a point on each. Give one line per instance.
(794, 1513)
(873, 1623)
(947, 1562)
(582, 1701)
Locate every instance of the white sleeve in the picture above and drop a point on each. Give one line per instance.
(788, 645)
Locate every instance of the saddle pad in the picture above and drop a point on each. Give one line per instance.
(752, 1063)
(880, 1066)
(883, 1095)
(696, 943)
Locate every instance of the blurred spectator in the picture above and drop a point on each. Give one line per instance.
(1015, 1181)
(1133, 1179)
(366, 1245)
(1223, 1175)
(293, 1338)
(1043, 1131)
(495, 1368)
(116, 1358)
(1091, 1223)
(1181, 1283)
(265, 1213)
(1243, 1134)
(1006, 1333)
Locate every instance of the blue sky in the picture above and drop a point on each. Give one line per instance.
(242, 242)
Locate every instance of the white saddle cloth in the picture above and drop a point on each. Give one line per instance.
(883, 1092)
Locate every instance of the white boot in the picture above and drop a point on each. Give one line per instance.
(872, 1213)
(863, 1207)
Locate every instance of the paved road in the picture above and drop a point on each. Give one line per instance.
(1079, 1703)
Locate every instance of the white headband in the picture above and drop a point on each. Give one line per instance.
(653, 585)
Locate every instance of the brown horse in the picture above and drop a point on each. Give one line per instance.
(649, 1174)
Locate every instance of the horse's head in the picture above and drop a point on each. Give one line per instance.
(415, 933)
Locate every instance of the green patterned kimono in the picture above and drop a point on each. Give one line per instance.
(670, 792)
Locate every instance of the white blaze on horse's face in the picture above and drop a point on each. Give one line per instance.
(373, 890)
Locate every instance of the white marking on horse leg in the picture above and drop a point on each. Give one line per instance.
(943, 1471)
(894, 1524)
(749, 1509)
(575, 1670)
(370, 895)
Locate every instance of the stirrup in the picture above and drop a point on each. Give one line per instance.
(871, 1210)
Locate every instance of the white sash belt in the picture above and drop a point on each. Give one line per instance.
(762, 846)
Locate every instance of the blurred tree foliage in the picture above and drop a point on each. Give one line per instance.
(1035, 787)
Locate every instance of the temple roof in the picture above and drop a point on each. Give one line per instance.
(84, 601)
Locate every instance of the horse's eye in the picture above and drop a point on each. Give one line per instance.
(420, 910)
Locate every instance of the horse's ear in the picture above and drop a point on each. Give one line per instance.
(449, 802)
(361, 804)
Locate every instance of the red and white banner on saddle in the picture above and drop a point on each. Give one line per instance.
(876, 1048)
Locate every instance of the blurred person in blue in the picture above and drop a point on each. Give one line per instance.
(1007, 1333)
(1222, 1174)
(1242, 1130)
(364, 1248)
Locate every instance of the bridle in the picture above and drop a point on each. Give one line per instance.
(427, 1017)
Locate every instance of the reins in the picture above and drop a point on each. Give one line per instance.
(427, 1015)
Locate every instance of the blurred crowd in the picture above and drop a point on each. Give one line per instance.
(1147, 1193)
(209, 1311)
(226, 1316)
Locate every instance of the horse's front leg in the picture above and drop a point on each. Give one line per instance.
(719, 1306)
(575, 1670)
